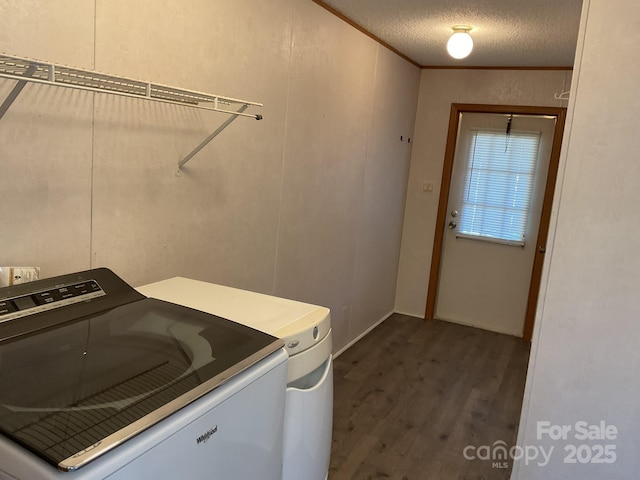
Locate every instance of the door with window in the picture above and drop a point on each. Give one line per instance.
(492, 218)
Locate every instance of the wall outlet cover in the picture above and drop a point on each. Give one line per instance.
(15, 275)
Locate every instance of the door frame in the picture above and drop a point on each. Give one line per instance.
(438, 241)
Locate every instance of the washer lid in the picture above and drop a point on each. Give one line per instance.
(75, 388)
(300, 325)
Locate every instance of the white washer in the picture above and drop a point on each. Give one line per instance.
(100, 382)
(306, 330)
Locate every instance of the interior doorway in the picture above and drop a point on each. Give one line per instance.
(490, 243)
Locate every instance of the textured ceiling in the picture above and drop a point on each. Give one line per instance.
(506, 33)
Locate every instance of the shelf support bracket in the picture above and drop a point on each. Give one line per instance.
(15, 92)
(218, 130)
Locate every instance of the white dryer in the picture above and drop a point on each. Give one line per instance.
(306, 331)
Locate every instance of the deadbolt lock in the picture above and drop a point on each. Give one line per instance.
(454, 213)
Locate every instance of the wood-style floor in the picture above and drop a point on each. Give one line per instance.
(411, 395)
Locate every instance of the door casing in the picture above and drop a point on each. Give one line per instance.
(452, 136)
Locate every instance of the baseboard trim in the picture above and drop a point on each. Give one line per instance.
(415, 315)
(465, 324)
(362, 335)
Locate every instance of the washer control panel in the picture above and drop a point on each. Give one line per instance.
(41, 301)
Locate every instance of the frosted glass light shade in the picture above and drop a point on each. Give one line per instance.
(460, 45)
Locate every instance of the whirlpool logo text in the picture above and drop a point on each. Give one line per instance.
(206, 436)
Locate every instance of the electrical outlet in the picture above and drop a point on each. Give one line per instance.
(14, 275)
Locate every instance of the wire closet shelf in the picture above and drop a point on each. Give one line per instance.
(25, 70)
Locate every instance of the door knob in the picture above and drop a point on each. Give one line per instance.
(452, 225)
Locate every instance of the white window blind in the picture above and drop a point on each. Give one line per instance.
(498, 185)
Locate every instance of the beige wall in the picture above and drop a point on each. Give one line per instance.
(585, 357)
(305, 204)
(438, 90)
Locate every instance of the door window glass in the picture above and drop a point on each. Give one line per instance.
(498, 185)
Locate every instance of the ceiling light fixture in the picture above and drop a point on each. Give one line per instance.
(460, 44)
